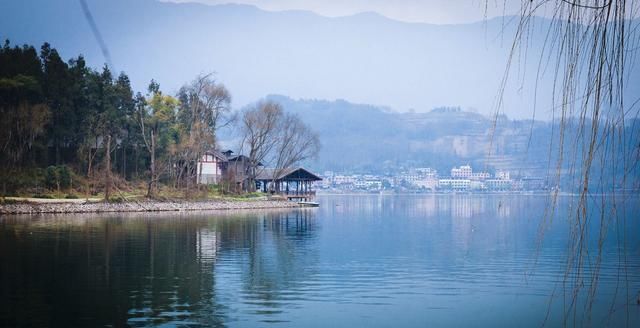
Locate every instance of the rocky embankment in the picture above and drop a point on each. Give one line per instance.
(145, 206)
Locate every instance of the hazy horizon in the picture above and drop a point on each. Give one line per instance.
(260, 49)
(439, 12)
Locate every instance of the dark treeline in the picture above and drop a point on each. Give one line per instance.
(68, 127)
(65, 125)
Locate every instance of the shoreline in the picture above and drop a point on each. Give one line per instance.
(143, 206)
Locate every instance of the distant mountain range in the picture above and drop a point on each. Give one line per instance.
(368, 139)
(365, 138)
(364, 58)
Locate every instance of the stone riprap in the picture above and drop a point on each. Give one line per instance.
(144, 206)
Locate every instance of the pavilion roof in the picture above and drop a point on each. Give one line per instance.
(288, 174)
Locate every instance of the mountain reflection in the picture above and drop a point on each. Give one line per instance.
(362, 260)
(150, 270)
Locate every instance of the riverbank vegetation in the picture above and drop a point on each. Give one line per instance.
(71, 131)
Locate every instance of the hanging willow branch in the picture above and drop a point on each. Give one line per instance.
(590, 45)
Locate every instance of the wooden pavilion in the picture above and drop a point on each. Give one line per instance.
(292, 183)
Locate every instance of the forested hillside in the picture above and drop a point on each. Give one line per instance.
(68, 127)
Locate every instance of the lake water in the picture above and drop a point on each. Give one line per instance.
(357, 261)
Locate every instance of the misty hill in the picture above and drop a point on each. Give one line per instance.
(365, 138)
(364, 58)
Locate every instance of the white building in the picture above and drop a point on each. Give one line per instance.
(369, 184)
(427, 183)
(454, 184)
(480, 176)
(498, 184)
(427, 172)
(410, 178)
(210, 167)
(344, 179)
(463, 172)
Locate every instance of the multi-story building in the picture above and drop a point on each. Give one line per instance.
(498, 184)
(454, 184)
(427, 183)
(211, 167)
(344, 179)
(462, 172)
(480, 176)
(426, 172)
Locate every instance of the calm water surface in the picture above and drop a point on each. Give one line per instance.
(374, 261)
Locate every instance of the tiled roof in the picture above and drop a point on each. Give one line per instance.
(293, 173)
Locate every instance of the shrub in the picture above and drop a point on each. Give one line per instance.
(51, 177)
(43, 196)
(57, 177)
(117, 199)
(14, 181)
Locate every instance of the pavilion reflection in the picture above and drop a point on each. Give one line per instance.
(143, 270)
(280, 259)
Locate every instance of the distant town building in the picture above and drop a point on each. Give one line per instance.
(424, 179)
(344, 179)
(503, 175)
(480, 176)
(368, 183)
(454, 184)
(430, 183)
(534, 183)
(498, 184)
(426, 172)
(462, 172)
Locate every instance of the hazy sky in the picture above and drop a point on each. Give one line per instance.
(428, 11)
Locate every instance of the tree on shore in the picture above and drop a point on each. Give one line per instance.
(116, 106)
(23, 106)
(259, 133)
(272, 136)
(57, 113)
(204, 108)
(157, 117)
(295, 143)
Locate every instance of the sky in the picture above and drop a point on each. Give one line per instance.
(424, 11)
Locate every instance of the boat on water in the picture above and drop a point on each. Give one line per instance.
(309, 204)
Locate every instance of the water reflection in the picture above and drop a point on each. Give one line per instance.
(139, 271)
(376, 261)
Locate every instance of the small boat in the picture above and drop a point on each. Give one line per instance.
(309, 204)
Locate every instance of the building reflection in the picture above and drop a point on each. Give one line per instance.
(142, 271)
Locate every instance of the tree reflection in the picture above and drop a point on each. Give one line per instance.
(140, 271)
(279, 259)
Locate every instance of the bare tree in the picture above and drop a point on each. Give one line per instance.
(205, 108)
(295, 143)
(259, 135)
(274, 137)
